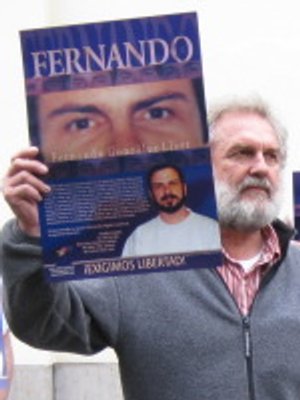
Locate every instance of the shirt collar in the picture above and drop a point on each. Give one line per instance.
(270, 252)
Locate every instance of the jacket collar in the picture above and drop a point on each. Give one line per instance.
(285, 234)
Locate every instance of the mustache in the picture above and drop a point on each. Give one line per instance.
(169, 197)
(250, 181)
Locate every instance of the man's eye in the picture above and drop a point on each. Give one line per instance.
(157, 113)
(272, 157)
(80, 124)
(156, 186)
(246, 153)
(243, 154)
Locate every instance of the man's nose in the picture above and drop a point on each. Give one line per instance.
(259, 165)
(167, 189)
(124, 135)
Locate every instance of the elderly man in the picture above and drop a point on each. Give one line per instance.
(213, 334)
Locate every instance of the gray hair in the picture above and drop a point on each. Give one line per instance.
(250, 106)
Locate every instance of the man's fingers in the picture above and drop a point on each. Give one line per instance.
(23, 188)
(23, 179)
(25, 160)
(23, 164)
(30, 152)
(17, 194)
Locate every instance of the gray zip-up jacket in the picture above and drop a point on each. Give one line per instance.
(178, 335)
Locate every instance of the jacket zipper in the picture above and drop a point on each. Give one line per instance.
(247, 341)
(247, 334)
(248, 356)
(247, 330)
(246, 319)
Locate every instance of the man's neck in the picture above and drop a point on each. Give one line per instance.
(175, 217)
(241, 245)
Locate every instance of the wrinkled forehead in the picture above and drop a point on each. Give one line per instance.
(245, 126)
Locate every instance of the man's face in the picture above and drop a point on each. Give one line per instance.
(247, 167)
(167, 190)
(119, 120)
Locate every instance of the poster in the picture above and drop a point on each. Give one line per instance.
(296, 193)
(108, 103)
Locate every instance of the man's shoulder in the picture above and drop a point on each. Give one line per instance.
(203, 218)
(295, 246)
(147, 224)
(291, 260)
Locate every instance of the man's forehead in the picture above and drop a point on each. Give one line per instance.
(165, 174)
(128, 93)
(245, 127)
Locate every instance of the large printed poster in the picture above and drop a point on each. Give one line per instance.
(118, 112)
(296, 192)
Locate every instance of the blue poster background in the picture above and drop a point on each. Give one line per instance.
(64, 232)
(97, 201)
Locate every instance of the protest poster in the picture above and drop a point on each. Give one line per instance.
(296, 196)
(107, 102)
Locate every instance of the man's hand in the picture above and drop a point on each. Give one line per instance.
(23, 189)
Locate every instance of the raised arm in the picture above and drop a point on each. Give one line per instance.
(61, 316)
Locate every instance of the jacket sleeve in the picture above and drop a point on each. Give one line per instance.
(78, 316)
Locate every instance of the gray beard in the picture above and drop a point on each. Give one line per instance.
(250, 214)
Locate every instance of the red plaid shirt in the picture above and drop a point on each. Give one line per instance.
(244, 285)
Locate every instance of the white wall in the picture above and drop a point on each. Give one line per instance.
(248, 47)
(16, 15)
